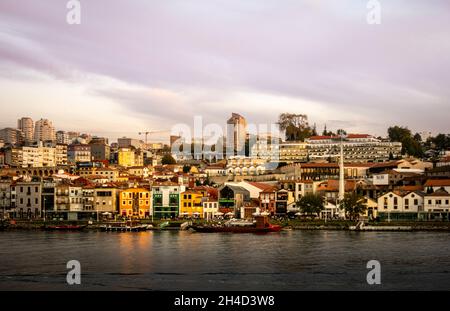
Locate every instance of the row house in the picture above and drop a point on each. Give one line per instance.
(27, 198)
(166, 199)
(397, 202)
(69, 200)
(210, 208)
(437, 202)
(232, 198)
(191, 204)
(5, 197)
(135, 203)
(100, 199)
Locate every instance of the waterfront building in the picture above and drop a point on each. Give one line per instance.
(26, 125)
(28, 193)
(210, 208)
(267, 200)
(100, 200)
(69, 200)
(284, 202)
(5, 197)
(437, 202)
(44, 131)
(166, 199)
(233, 197)
(398, 202)
(135, 202)
(191, 204)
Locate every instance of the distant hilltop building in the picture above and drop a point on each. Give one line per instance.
(357, 148)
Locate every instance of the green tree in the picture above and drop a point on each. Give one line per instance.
(186, 169)
(403, 135)
(354, 205)
(311, 204)
(168, 160)
(441, 142)
(295, 126)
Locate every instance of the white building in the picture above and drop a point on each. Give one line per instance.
(394, 202)
(210, 209)
(438, 201)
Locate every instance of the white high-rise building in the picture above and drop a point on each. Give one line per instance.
(44, 131)
(26, 125)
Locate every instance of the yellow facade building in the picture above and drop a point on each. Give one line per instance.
(136, 203)
(191, 204)
(130, 157)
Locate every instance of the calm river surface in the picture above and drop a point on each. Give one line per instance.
(296, 260)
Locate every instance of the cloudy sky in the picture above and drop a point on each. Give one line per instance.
(143, 65)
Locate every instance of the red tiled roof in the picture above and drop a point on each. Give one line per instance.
(438, 183)
(262, 186)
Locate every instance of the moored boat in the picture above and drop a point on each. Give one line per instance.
(64, 228)
(261, 225)
(127, 226)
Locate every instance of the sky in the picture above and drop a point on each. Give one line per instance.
(138, 65)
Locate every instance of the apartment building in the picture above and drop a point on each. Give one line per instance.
(28, 195)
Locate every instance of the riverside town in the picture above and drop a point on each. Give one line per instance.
(298, 178)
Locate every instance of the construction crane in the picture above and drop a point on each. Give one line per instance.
(146, 133)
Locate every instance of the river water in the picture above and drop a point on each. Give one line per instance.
(293, 260)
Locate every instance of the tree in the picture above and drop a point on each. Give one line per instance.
(295, 126)
(441, 142)
(340, 132)
(311, 204)
(403, 135)
(354, 205)
(168, 160)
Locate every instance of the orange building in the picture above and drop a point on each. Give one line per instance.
(135, 202)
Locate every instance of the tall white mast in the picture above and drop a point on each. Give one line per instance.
(341, 176)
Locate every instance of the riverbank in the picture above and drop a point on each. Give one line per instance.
(292, 224)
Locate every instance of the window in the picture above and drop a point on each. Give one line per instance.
(385, 203)
(406, 203)
(395, 203)
(416, 202)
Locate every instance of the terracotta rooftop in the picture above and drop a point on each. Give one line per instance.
(438, 183)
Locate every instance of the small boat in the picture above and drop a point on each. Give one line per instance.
(127, 226)
(64, 228)
(262, 225)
